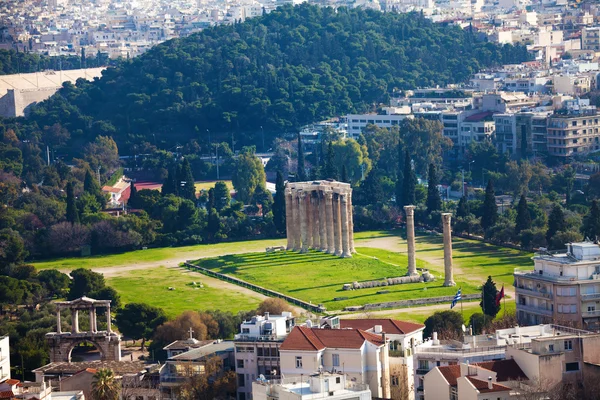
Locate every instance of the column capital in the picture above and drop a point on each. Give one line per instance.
(446, 218)
(409, 209)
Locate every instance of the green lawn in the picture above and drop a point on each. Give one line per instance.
(318, 277)
(210, 184)
(151, 286)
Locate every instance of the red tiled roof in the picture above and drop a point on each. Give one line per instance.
(451, 373)
(8, 394)
(12, 381)
(506, 370)
(309, 339)
(483, 387)
(479, 116)
(390, 326)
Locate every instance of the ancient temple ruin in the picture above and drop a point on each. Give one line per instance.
(319, 217)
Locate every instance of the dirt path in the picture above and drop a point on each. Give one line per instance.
(407, 310)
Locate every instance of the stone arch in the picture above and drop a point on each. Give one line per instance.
(76, 343)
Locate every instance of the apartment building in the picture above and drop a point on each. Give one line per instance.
(521, 134)
(393, 117)
(316, 386)
(257, 349)
(4, 359)
(362, 356)
(478, 127)
(590, 38)
(563, 286)
(573, 132)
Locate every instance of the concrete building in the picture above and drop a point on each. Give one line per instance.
(573, 132)
(478, 127)
(520, 133)
(361, 356)
(316, 386)
(4, 359)
(257, 349)
(563, 286)
(590, 38)
(394, 117)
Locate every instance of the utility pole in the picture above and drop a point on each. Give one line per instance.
(98, 175)
(217, 151)
(263, 138)
(463, 182)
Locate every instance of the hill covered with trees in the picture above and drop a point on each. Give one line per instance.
(270, 74)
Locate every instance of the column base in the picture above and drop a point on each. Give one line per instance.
(328, 251)
(304, 250)
(346, 255)
(338, 253)
(451, 283)
(413, 273)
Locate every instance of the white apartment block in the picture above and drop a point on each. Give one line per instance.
(357, 122)
(4, 359)
(574, 132)
(316, 386)
(590, 39)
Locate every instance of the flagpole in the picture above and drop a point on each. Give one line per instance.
(461, 306)
(504, 296)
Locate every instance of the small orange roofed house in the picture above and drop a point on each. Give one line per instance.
(360, 355)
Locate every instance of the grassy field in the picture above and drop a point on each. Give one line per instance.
(209, 184)
(151, 286)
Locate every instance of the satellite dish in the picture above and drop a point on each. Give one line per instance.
(464, 328)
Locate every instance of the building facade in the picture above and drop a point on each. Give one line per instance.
(4, 359)
(316, 386)
(573, 133)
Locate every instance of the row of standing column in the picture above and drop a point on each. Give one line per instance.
(321, 220)
(75, 320)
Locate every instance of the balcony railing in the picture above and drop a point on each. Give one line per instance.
(535, 310)
(422, 371)
(590, 296)
(258, 338)
(590, 314)
(532, 292)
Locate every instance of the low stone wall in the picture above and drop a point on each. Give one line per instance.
(412, 302)
(425, 277)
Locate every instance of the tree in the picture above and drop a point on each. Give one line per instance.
(55, 282)
(72, 214)
(448, 324)
(90, 184)
(556, 222)
(354, 156)
(170, 185)
(105, 385)
(274, 306)
(12, 247)
(477, 322)
(139, 321)
(214, 383)
(488, 302)
(103, 152)
(185, 181)
(331, 171)
(344, 176)
(409, 182)
(591, 225)
(462, 210)
(523, 220)
(279, 204)
(263, 198)
(133, 200)
(489, 211)
(434, 200)
(399, 176)
(84, 282)
(301, 171)
(249, 173)
(222, 196)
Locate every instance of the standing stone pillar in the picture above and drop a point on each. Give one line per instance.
(303, 222)
(288, 219)
(74, 321)
(91, 311)
(351, 222)
(309, 220)
(448, 278)
(58, 323)
(108, 321)
(295, 226)
(337, 225)
(329, 222)
(322, 222)
(410, 239)
(314, 215)
(344, 222)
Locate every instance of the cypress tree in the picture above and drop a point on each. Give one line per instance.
(399, 175)
(409, 182)
(434, 200)
(170, 183)
(185, 181)
(556, 222)
(523, 221)
(591, 225)
(279, 203)
(90, 185)
(72, 214)
(462, 210)
(490, 209)
(344, 177)
(488, 302)
(330, 168)
(301, 173)
(133, 196)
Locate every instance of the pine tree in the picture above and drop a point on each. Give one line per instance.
(279, 204)
(185, 181)
(344, 177)
(409, 183)
(330, 168)
(556, 222)
(90, 184)
(462, 210)
(523, 221)
(133, 197)
(72, 214)
(490, 209)
(301, 173)
(434, 200)
(568, 190)
(591, 225)
(488, 302)
(170, 183)
(399, 176)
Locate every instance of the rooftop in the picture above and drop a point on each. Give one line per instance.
(199, 353)
(309, 339)
(389, 326)
(119, 367)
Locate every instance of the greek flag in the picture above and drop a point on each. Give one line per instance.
(457, 297)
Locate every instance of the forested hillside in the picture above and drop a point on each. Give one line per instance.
(273, 73)
(12, 62)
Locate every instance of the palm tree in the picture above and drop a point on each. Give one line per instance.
(104, 385)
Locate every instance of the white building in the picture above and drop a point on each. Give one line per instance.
(393, 117)
(316, 386)
(4, 359)
(590, 38)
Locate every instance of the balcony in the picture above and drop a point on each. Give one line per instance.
(422, 371)
(261, 338)
(590, 296)
(535, 310)
(590, 314)
(534, 293)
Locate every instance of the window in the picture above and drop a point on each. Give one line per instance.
(568, 345)
(240, 380)
(572, 366)
(335, 360)
(394, 381)
(423, 364)
(299, 362)
(259, 351)
(245, 330)
(338, 380)
(551, 347)
(240, 363)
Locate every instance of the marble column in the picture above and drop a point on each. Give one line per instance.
(58, 323)
(309, 220)
(288, 219)
(316, 241)
(329, 222)
(351, 223)
(108, 321)
(337, 225)
(410, 239)
(295, 226)
(91, 312)
(322, 222)
(74, 321)
(303, 222)
(344, 222)
(448, 274)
